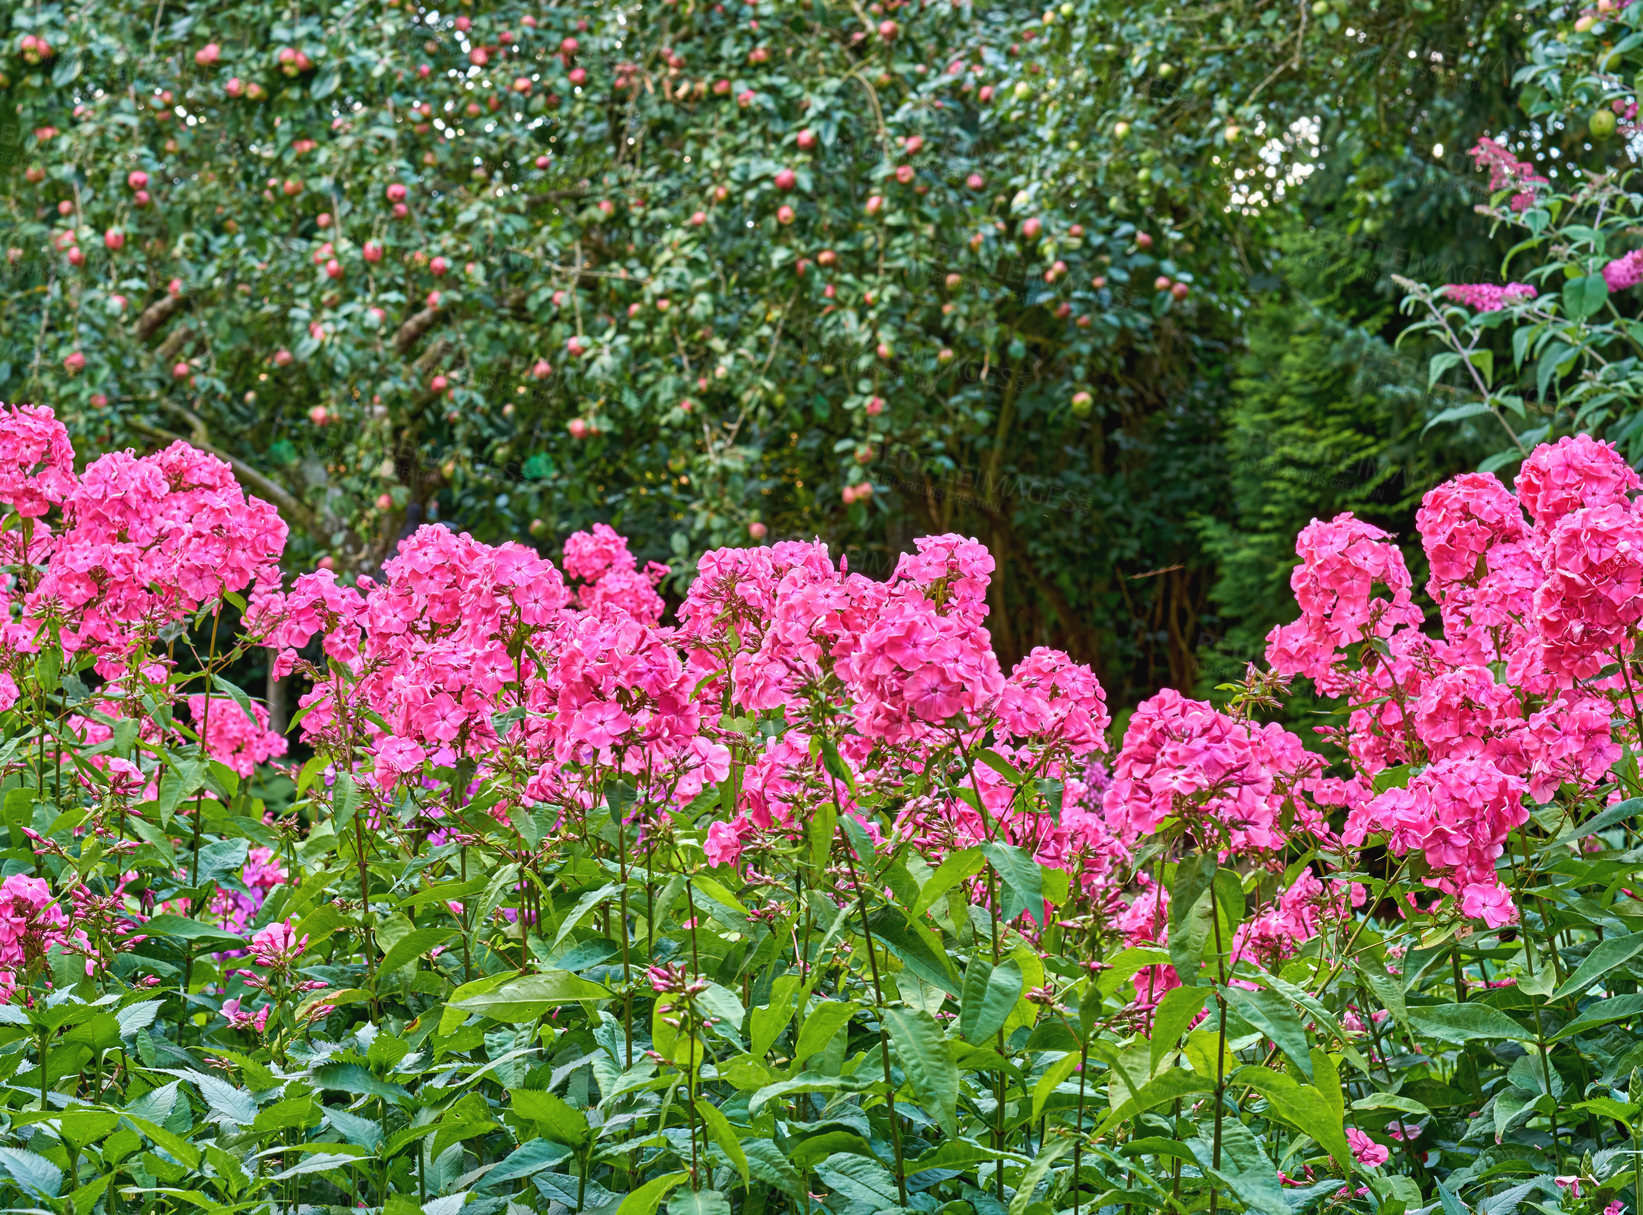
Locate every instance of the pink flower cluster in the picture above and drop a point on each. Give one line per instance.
(1624, 271)
(1507, 172)
(31, 925)
(1489, 297)
(1537, 592)
(232, 738)
(143, 543)
(1232, 781)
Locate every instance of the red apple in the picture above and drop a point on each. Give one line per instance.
(875, 204)
(208, 54)
(372, 251)
(875, 406)
(439, 383)
(1143, 240)
(438, 267)
(578, 428)
(74, 363)
(282, 358)
(786, 179)
(542, 369)
(180, 371)
(806, 139)
(757, 530)
(318, 416)
(1179, 290)
(333, 268)
(137, 179)
(784, 215)
(1030, 228)
(396, 192)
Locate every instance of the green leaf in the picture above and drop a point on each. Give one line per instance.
(809, 1082)
(859, 1180)
(344, 802)
(1245, 1169)
(648, 1197)
(957, 867)
(232, 1106)
(823, 822)
(1022, 880)
(1302, 1106)
(360, 1131)
(526, 1160)
(699, 1202)
(180, 928)
(1605, 956)
(412, 946)
(37, 1175)
(767, 1163)
(1440, 363)
(989, 996)
(1157, 1091)
(766, 1022)
(560, 1121)
(584, 905)
(960, 1154)
(527, 999)
(1053, 1075)
(819, 1026)
(1191, 914)
(1271, 1013)
(185, 1152)
(1601, 1012)
(1460, 1023)
(718, 1126)
(353, 1078)
(1385, 988)
(326, 80)
(927, 1060)
(1172, 1017)
(1584, 296)
(918, 948)
(1035, 1174)
(1617, 813)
